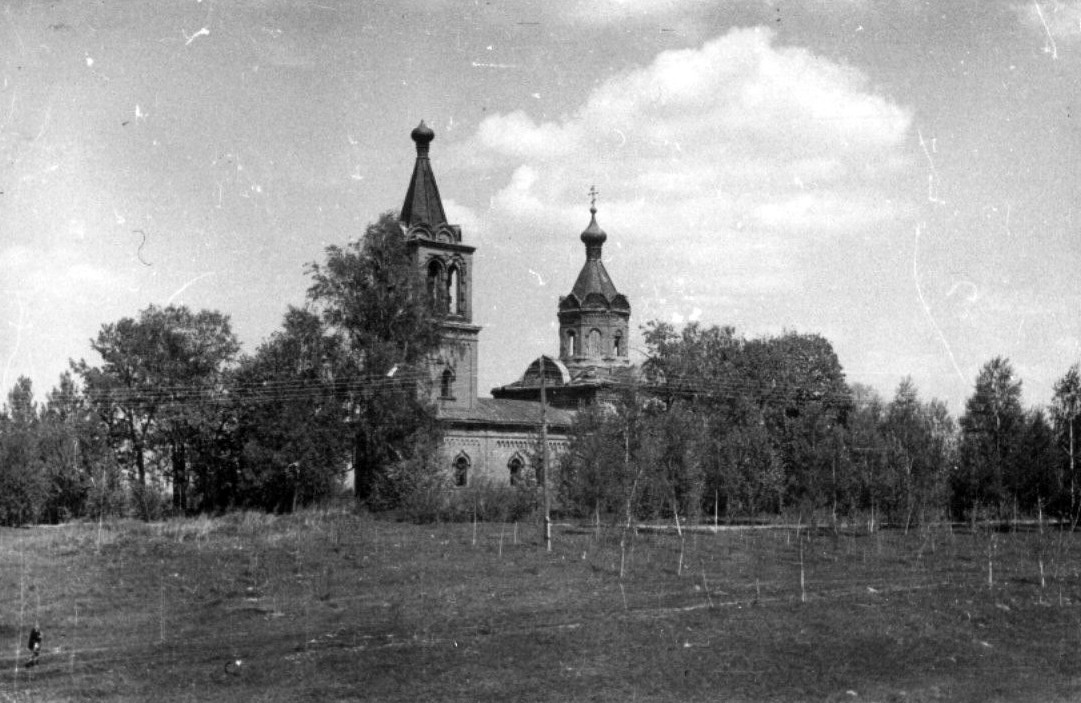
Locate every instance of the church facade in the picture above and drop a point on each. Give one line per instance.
(498, 438)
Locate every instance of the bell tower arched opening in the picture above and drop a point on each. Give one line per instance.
(454, 290)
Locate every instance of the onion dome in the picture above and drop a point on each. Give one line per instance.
(423, 135)
(593, 236)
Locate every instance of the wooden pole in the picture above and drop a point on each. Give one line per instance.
(544, 456)
(1073, 471)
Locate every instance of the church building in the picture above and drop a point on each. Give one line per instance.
(498, 438)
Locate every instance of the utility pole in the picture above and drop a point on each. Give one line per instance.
(544, 456)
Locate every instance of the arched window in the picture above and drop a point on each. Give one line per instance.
(461, 470)
(593, 348)
(435, 285)
(515, 466)
(617, 345)
(572, 344)
(446, 384)
(454, 290)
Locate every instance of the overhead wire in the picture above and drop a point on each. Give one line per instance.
(239, 391)
(284, 390)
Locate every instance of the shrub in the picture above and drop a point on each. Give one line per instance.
(149, 503)
(416, 486)
(492, 502)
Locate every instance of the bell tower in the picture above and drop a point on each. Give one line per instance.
(594, 319)
(446, 264)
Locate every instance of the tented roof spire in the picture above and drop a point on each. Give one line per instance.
(422, 201)
(594, 278)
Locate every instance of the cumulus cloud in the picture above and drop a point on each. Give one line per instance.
(736, 142)
(736, 167)
(734, 112)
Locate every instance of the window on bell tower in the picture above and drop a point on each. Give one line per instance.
(435, 286)
(617, 345)
(446, 385)
(572, 344)
(454, 290)
(593, 348)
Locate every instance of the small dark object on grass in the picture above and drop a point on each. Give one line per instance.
(34, 646)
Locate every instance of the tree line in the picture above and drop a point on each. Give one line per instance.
(174, 419)
(719, 425)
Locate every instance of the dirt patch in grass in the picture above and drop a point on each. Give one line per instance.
(334, 606)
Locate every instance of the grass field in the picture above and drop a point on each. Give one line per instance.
(333, 606)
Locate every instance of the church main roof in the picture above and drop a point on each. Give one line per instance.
(510, 413)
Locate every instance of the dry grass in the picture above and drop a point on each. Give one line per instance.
(326, 605)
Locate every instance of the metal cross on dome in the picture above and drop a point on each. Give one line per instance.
(593, 193)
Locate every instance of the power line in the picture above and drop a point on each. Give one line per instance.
(759, 391)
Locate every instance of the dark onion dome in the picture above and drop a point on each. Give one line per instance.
(593, 236)
(422, 134)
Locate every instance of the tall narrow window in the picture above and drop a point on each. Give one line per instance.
(446, 385)
(461, 470)
(617, 345)
(454, 291)
(572, 344)
(435, 287)
(593, 348)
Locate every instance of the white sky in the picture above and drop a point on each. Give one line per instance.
(899, 176)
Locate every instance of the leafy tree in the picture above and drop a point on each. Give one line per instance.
(991, 432)
(1036, 479)
(869, 453)
(903, 428)
(919, 441)
(942, 451)
(59, 438)
(588, 482)
(744, 471)
(764, 405)
(671, 452)
(292, 427)
(703, 363)
(194, 355)
(1066, 414)
(612, 464)
(23, 487)
(122, 391)
(800, 386)
(372, 300)
(81, 471)
(701, 374)
(159, 390)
